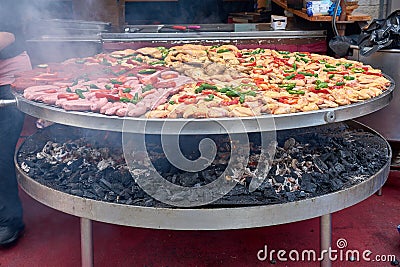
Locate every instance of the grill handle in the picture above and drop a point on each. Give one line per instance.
(7, 102)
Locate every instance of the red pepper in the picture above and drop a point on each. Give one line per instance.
(208, 92)
(288, 100)
(339, 72)
(238, 54)
(50, 91)
(365, 68)
(336, 87)
(108, 96)
(322, 91)
(250, 64)
(265, 71)
(125, 95)
(373, 73)
(262, 71)
(299, 77)
(228, 103)
(186, 97)
(66, 95)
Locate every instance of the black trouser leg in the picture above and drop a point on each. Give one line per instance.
(11, 122)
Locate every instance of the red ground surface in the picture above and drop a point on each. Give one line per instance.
(52, 238)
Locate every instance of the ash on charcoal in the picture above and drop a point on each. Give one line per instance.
(308, 162)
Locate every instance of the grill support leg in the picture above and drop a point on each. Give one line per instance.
(326, 238)
(86, 243)
(379, 193)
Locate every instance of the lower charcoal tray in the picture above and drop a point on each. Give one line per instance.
(309, 162)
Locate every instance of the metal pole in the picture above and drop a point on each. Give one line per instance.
(86, 243)
(326, 239)
(379, 193)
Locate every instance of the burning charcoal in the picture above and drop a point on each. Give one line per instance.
(74, 177)
(289, 143)
(207, 176)
(98, 191)
(75, 165)
(125, 178)
(117, 188)
(320, 164)
(291, 196)
(106, 183)
(339, 168)
(162, 165)
(188, 179)
(89, 194)
(77, 192)
(279, 179)
(110, 196)
(336, 184)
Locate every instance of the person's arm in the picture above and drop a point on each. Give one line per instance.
(6, 38)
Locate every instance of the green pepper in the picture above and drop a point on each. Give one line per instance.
(127, 90)
(305, 73)
(205, 86)
(74, 83)
(125, 99)
(93, 86)
(306, 60)
(232, 93)
(223, 50)
(301, 54)
(224, 90)
(257, 51)
(330, 69)
(251, 93)
(138, 59)
(209, 97)
(286, 56)
(357, 70)
(331, 76)
(349, 78)
(329, 66)
(289, 77)
(284, 52)
(322, 61)
(68, 90)
(289, 70)
(159, 62)
(79, 92)
(171, 102)
(105, 62)
(340, 83)
(107, 86)
(147, 71)
(121, 72)
(242, 98)
(299, 92)
(348, 65)
(322, 85)
(147, 87)
(113, 81)
(287, 86)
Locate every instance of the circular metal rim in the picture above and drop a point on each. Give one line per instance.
(205, 218)
(98, 121)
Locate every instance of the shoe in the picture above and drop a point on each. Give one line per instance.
(10, 234)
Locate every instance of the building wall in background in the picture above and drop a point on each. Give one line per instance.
(372, 8)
